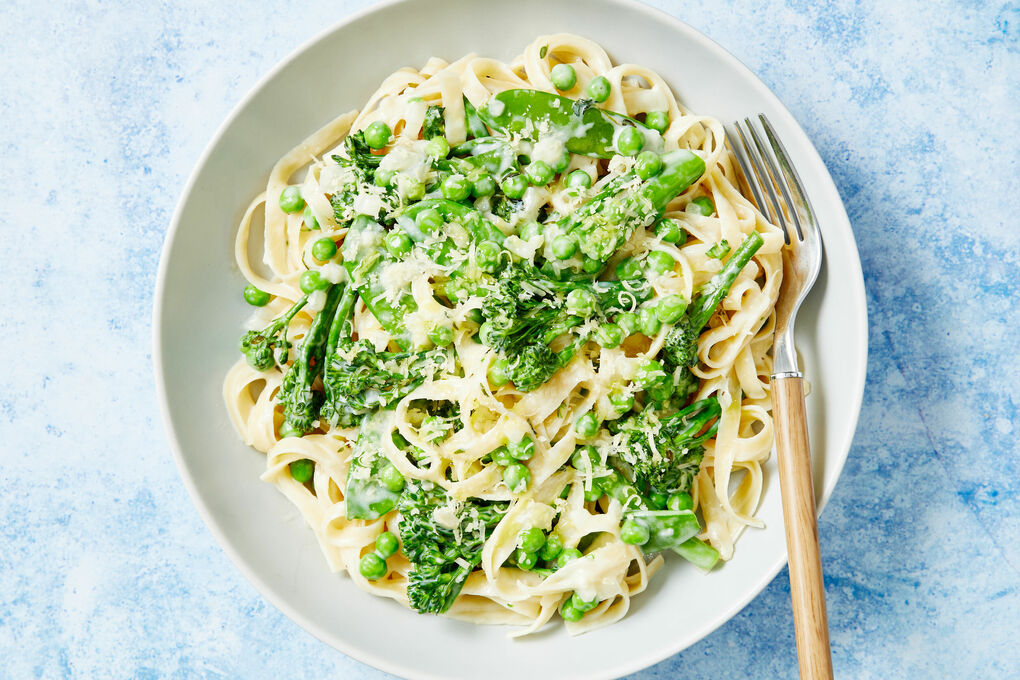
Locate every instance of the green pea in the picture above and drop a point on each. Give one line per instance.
(563, 247)
(630, 141)
(621, 401)
(567, 556)
(657, 500)
(585, 457)
(311, 224)
(594, 493)
(397, 243)
(429, 220)
(628, 269)
(648, 322)
(386, 544)
(456, 187)
(659, 262)
(514, 186)
(657, 120)
(391, 478)
(517, 476)
(587, 426)
(524, 449)
(648, 165)
(599, 88)
(414, 189)
(497, 372)
(669, 231)
(539, 173)
(552, 548)
(581, 302)
(372, 567)
(609, 335)
(649, 372)
(502, 456)
(579, 179)
(324, 249)
(531, 540)
(302, 470)
(290, 200)
(441, 335)
(562, 163)
(437, 147)
(312, 281)
(628, 323)
(377, 135)
(633, 532)
(702, 205)
(590, 265)
(483, 186)
(384, 178)
(680, 501)
(255, 297)
(525, 560)
(529, 230)
(569, 612)
(563, 77)
(487, 256)
(671, 308)
(582, 605)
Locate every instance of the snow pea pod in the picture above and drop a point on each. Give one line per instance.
(587, 129)
(477, 226)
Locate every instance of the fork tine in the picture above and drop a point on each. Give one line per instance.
(752, 180)
(756, 153)
(792, 178)
(771, 180)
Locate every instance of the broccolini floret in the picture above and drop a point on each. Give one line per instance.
(268, 347)
(443, 556)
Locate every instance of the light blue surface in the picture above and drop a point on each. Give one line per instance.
(105, 566)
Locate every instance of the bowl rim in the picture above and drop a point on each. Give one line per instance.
(629, 664)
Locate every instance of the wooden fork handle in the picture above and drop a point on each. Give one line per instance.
(806, 587)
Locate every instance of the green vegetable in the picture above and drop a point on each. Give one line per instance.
(435, 123)
(502, 456)
(371, 487)
(587, 426)
(386, 544)
(398, 243)
(579, 179)
(630, 141)
(531, 540)
(628, 323)
(485, 185)
(582, 605)
(514, 186)
(475, 127)
(524, 449)
(671, 308)
(659, 262)
(455, 188)
(324, 249)
(429, 220)
(569, 612)
(437, 147)
(702, 205)
(300, 400)
(441, 336)
(255, 297)
(563, 77)
(377, 135)
(680, 501)
(628, 268)
(539, 173)
(567, 556)
(302, 470)
(525, 560)
(517, 477)
(291, 200)
(669, 231)
(681, 347)
(497, 373)
(310, 223)
(312, 281)
(581, 302)
(657, 120)
(599, 88)
(609, 335)
(698, 552)
(563, 247)
(372, 567)
(719, 250)
(268, 347)
(585, 458)
(442, 557)
(648, 164)
(589, 130)
(648, 321)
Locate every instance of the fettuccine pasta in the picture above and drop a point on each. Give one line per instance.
(512, 337)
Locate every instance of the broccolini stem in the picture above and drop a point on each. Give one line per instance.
(713, 292)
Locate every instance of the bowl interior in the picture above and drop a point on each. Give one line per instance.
(198, 290)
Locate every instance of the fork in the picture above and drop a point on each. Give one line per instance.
(767, 168)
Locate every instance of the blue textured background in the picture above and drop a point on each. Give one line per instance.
(106, 568)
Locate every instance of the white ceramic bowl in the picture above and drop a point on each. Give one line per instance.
(199, 311)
